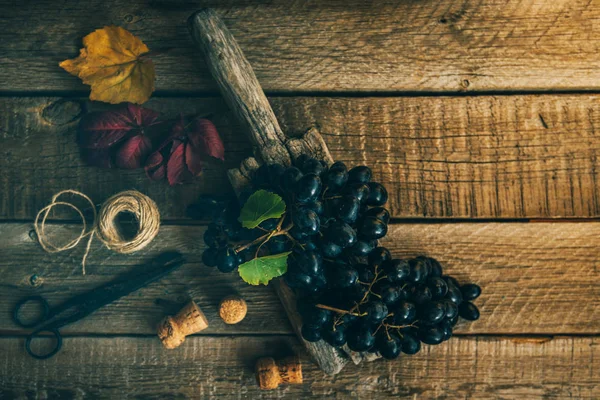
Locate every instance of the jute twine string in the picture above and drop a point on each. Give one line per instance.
(104, 225)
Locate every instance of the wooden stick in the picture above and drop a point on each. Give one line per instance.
(243, 93)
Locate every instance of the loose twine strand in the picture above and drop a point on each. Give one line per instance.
(104, 225)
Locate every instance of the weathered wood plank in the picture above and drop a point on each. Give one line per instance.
(341, 45)
(207, 367)
(537, 278)
(482, 157)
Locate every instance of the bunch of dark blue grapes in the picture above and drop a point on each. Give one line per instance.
(350, 290)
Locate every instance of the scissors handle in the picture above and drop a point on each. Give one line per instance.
(57, 346)
(36, 321)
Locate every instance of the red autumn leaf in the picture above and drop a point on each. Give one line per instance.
(203, 136)
(113, 131)
(133, 152)
(191, 145)
(155, 166)
(177, 171)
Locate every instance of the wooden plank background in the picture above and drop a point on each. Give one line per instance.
(335, 46)
(459, 107)
(482, 157)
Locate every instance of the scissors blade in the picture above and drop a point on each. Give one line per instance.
(84, 304)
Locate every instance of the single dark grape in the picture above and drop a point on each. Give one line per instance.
(337, 176)
(454, 294)
(316, 316)
(358, 190)
(451, 280)
(298, 280)
(311, 333)
(336, 337)
(420, 294)
(379, 256)
(451, 309)
(306, 261)
(468, 311)
(360, 338)
(405, 313)
(410, 344)
(227, 259)
(361, 174)
(347, 209)
(431, 335)
(341, 234)
(365, 273)
(378, 212)
(390, 295)
(313, 166)
(308, 188)
(376, 311)
(212, 237)
(319, 281)
(289, 178)
(396, 270)
(209, 257)
(307, 221)
(446, 328)
(431, 313)
(372, 228)
(343, 277)
(470, 291)
(418, 270)
(362, 248)
(378, 195)
(388, 346)
(317, 207)
(330, 250)
(436, 268)
(454, 320)
(438, 287)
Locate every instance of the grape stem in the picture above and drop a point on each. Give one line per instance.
(339, 310)
(266, 237)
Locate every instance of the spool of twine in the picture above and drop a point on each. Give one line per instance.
(105, 225)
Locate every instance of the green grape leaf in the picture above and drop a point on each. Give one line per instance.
(262, 269)
(261, 206)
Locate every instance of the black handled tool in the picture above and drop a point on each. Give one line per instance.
(84, 304)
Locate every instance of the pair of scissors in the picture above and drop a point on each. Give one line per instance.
(80, 306)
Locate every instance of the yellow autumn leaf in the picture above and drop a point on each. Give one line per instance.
(110, 63)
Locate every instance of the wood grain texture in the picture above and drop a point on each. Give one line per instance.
(481, 157)
(537, 278)
(338, 45)
(207, 367)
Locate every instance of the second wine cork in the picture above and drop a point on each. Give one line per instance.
(173, 329)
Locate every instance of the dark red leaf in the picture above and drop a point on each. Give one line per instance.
(142, 117)
(177, 171)
(204, 137)
(101, 130)
(155, 166)
(133, 153)
(193, 160)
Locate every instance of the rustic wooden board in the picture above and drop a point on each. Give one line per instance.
(482, 157)
(208, 367)
(537, 278)
(341, 45)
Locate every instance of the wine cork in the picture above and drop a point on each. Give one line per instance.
(233, 309)
(173, 329)
(270, 373)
